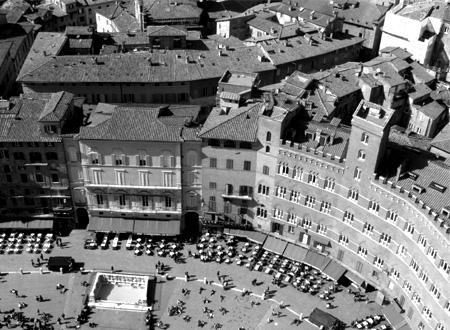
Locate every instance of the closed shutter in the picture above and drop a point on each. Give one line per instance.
(137, 160)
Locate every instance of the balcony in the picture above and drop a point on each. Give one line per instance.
(140, 209)
(88, 183)
(242, 195)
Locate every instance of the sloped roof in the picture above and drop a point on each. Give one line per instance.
(239, 124)
(165, 31)
(21, 122)
(442, 140)
(167, 10)
(56, 107)
(138, 123)
(123, 20)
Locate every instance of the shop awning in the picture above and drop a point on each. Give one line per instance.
(334, 270)
(256, 237)
(157, 227)
(274, 245)
(13, 224)
(392, 314)
(321, 240)
(295, 252)
(316, 260)
(40, 224)
(253, 236)
(105, 224)
(355, 279)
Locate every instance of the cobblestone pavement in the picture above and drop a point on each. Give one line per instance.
(240, 312)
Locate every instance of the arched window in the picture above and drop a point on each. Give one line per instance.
(365, 138)
(229, 144)
(357, 174)
(269, 136)
(361, 155)
(214, 143)
(192, 158)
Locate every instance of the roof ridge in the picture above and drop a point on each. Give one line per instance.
(34, 69)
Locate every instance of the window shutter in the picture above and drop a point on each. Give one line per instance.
(100, 162)
(172, 161)
(124, 159)
(162, 161)
(148, 160)
(90, 158)
(137, 160)
(250, 191)
(113, 159)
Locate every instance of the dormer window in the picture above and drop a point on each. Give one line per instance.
(437, 186)
(50, 129)
(417, 188)
(446, 212)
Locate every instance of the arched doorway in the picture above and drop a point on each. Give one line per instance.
(82, 217)
(191, 224)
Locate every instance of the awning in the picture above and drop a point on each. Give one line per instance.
(122, 225)
(355, 279)
(230, 96)
(253, 236)
(392, 314)
(295, 252)
(316, 260)
(105, 224)
(13, 224)
(321, 240)
(274, 245)
(256, 237)
(40, 224)
(334, 270)
(157, 227)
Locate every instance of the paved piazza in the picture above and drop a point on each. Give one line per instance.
(240, 312)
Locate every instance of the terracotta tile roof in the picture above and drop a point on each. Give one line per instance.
(79, 31)
(123, 20)
(427, 171)
(397, 52)
(420, 74)
(222, 9)
(56, 107)
(167, 10)
(239, 124)
(442, 140)
(142, 122)
(45, 46)
(418, 91)
(397, 136)
(430, 108)
(158, 66)
(21, 122)
(364, 14)
(165, 30)
(298, 48)
(265, 25)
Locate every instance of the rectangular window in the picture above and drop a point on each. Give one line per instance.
(213, 185)
(168, 179)
(144, 178)
(325, 207)
(39, 177)
(120, 178)
(266, 170)
(145, 201)
(55, 178)
(247, 165)
(348, 217)
(100, 200)
(340, 255)
(97, 176)
(410, 313)
(359, 266)
(213, 162)
(122, 200)
(24, 178)
(310, 201)
(229, 164)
